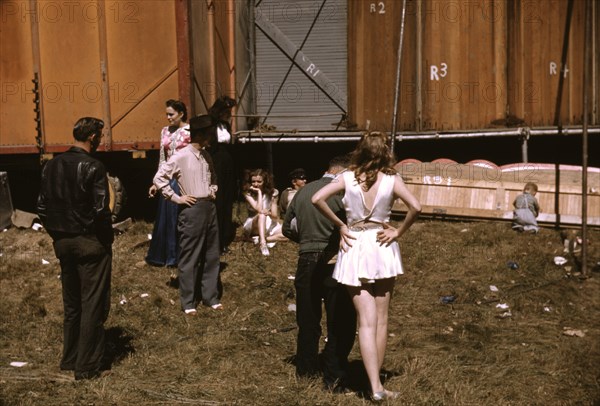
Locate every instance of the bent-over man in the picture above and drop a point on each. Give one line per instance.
(314, 285)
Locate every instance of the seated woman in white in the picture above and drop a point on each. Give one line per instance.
(263, 215)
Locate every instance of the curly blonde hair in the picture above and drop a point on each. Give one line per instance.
(371, 156)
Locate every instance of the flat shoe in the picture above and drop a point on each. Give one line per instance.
(190, 312)
(217, 306)
(264, 250)
(384, 395)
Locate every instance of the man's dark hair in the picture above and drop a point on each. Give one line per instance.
(220, 105)
(86, 127)
(179, 107)
(340, 160)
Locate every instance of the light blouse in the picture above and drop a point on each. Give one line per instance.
(171, 142)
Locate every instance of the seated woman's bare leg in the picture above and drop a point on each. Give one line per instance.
(262, 223)
(276, 237)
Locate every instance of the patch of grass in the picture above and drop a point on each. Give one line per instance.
(463, 353)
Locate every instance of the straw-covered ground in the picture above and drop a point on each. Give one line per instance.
(543, 349)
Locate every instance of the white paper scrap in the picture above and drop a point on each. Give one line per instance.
(560, 260)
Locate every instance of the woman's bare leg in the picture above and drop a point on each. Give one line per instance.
(364, 302)
(278, 236)
(383, 290)
(262, 224)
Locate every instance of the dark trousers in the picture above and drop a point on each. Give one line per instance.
(85, 274)
(198, 254)
(314, 285)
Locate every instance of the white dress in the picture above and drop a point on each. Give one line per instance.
(367, 260)
(272, 226)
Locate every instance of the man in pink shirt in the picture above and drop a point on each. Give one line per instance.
(192, 167)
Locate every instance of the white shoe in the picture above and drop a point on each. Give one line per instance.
(255, 239)
(270, 244)
(264, 250)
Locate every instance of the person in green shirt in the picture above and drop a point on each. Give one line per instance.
(318, 245)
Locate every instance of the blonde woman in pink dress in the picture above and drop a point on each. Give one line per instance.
(369, 257)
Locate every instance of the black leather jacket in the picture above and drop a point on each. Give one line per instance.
(74, 197)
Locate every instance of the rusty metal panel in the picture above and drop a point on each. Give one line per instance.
(203, 68)
(142, 67)
(466, 65)
(213, 51)
(71, 79)
(225, 64)
(17, 125)
(536, 31)
(116, 60)
(373, 36)
(461, 56)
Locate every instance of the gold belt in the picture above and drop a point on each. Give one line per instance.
(366, 226)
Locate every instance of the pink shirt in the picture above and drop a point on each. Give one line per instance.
(171, 142)
(193, 171)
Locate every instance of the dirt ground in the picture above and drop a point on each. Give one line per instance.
(543, 348)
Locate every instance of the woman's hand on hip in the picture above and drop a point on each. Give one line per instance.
(346, 238)
(387, 236)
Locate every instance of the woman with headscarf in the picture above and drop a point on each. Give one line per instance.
(220, 151)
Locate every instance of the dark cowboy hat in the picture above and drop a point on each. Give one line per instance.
(203, 122)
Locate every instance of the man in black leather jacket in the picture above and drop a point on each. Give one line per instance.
(74, 208)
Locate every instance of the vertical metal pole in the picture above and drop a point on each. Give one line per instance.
(252, 56)
(557, 120)
(38, 82)
(102, 40)
(398, 69)
(419, 67)
(524, 153)
(212, 74)
(231, 56)
(184, 64)
(252, 50)
(563, 66)
(587, 62)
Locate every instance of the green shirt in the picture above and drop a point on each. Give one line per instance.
(315, 232)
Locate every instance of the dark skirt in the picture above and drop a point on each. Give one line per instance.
(226, 180)
(164, 246)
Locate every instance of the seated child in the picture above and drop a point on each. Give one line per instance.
(526, 210)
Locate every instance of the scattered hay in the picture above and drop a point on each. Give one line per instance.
(459, 353)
